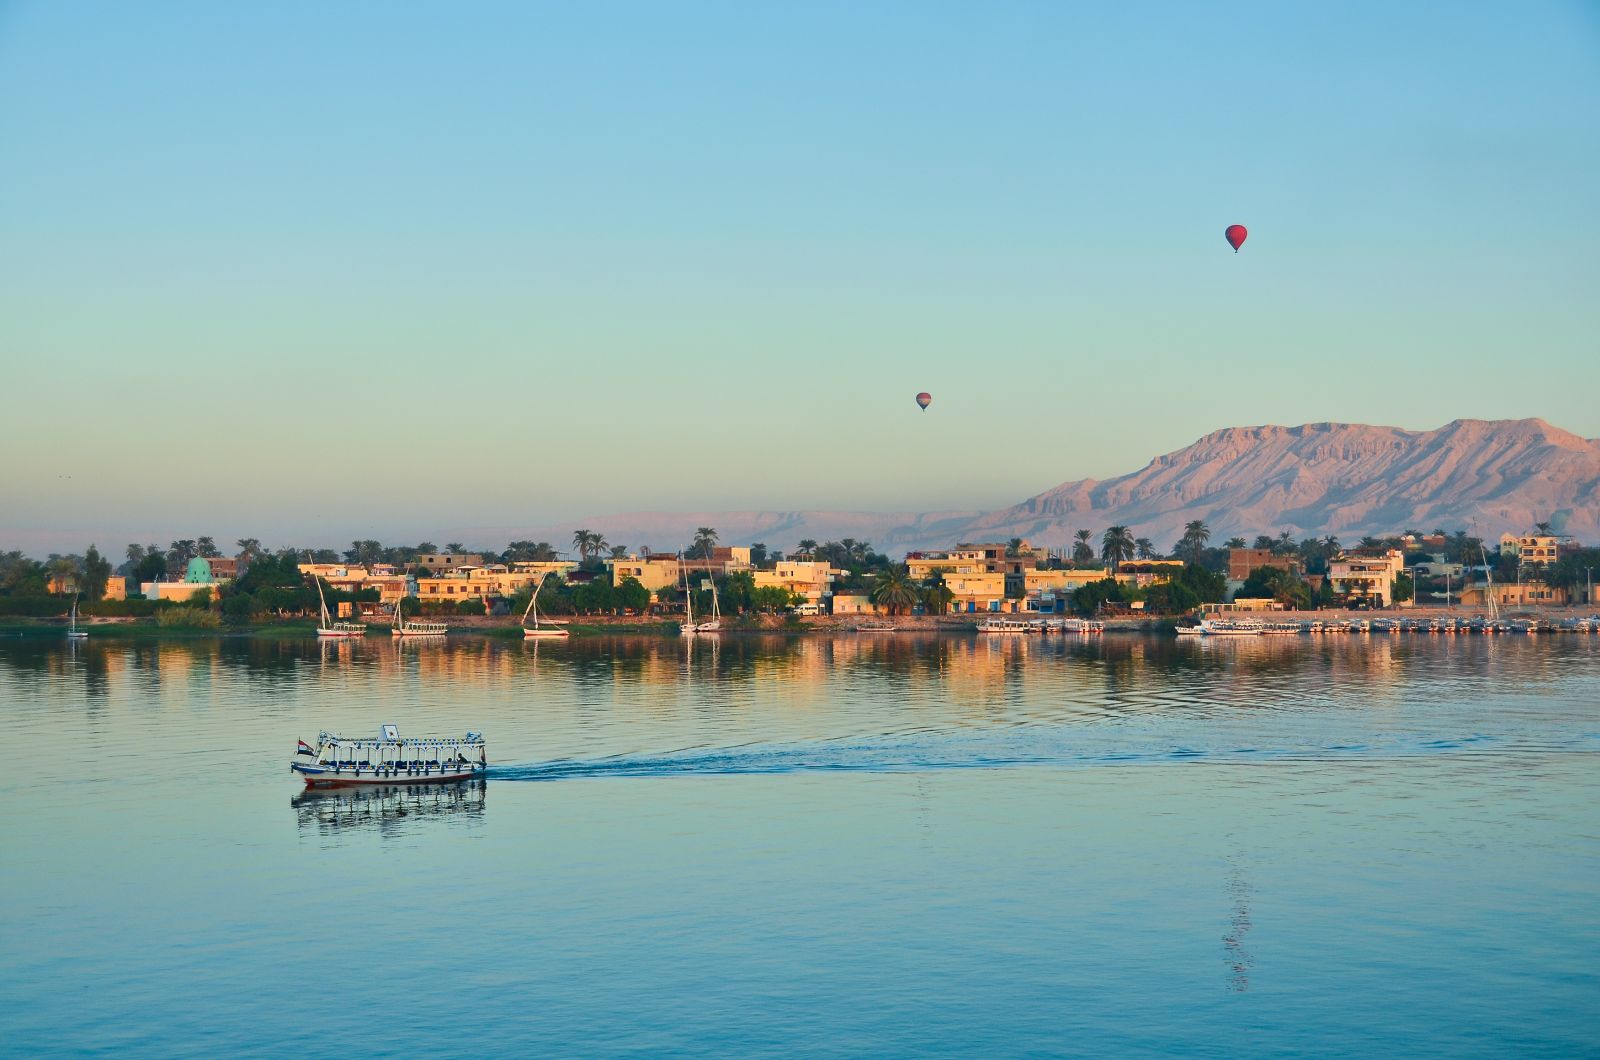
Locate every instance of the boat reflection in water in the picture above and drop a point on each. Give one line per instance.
(388, 806)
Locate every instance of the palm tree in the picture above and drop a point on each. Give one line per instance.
(181, 552)
(705, 538)
(1285, 543)
(1145, 548)
(250, 548)
(1014, 547)
(1235, 542)
(580, 541)
(598, 544)
(1264, 542)
(1330, 545)
(894, 591)
(427, 548)
(1116, 545)
(1082, 551)
(805, 547)
(936, 595)
(454, 547)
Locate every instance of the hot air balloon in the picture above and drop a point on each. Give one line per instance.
(924, 399)
(1236, 235)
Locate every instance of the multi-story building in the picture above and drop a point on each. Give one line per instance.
(1241, 561)
(495, 579)
(976, 591)
(809, 579)
(655, 571)
(1146, 572)
(1367, 578)
(439, 562)
(1534, 550)
(723, 560)
(972, 559)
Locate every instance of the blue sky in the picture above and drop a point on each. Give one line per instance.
(305, 270)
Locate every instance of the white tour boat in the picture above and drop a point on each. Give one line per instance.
(326, 627)
(536, 631)
(1281, 629)
(73, 632)
(338, 760)
(1230, 627)
(1082, 625)
(1000, 624)
(402, 628)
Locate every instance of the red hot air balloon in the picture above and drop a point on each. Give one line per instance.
(924, 399)
(1236, 235)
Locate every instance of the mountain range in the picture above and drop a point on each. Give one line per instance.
(1346, 479)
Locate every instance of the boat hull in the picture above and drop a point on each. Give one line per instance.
(544, 634)
(321, 776)
(339, 634)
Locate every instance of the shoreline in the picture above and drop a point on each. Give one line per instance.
(763, 625)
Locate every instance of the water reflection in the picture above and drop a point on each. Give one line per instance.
(1238, 959)
(385, 808)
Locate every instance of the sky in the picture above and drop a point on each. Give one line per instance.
(308, 271)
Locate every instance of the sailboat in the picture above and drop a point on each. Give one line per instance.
(536, 631)
(326, 627)
(690, 626)
(402, 628)
(73, 632)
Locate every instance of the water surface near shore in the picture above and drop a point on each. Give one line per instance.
(833, 844)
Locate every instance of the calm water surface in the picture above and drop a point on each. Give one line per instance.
(862, 845)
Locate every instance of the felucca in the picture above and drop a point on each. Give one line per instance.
(326, 627)
(73, 632)
(536, 631)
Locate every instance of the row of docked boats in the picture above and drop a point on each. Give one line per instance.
(1249, 627)
(1004, 625)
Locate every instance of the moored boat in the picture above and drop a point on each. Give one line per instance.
(998, 624)
(389, 759)
(326, 627)
(73, 632)
(1230, 627)
(536, 631)
(402, 628)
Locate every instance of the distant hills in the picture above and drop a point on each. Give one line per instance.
(1347, 479)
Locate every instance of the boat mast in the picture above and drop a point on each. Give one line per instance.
(688, 594)
(533, 601)
(322, 602)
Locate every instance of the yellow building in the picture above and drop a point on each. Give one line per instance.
(654, 572)
(972, 559)
(1524, 594)
(1533, 550)
(854, 604)
(805, 578)
(977, 591)
(496, 579)
(176, 590)
(1367, 578)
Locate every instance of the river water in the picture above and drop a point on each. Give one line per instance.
(852, 845)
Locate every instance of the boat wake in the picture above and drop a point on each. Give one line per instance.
(998, 751)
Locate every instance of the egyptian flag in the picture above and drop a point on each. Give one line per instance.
(306, 749)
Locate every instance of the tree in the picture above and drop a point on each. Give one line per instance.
(1401, 588)
(580, 541)
(1235, 542)
(1116, 545)
(427, 548)
(206, 547)
(805, 547)
(1082, 551)
(152, 568)
(619, 551)
(1284, 546)
(96, 572)
(894, 591)
(1278, 584)
(1262, 543)
(1543, 529)
(1086, 599)
(632, 596)
(454, 547)
(1144, 548)
(1192, 545)
(936, 595)
(772, 598)
(250, 549)
(705, 539)
(181, 552)
(758, 553)
(1014, 547)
